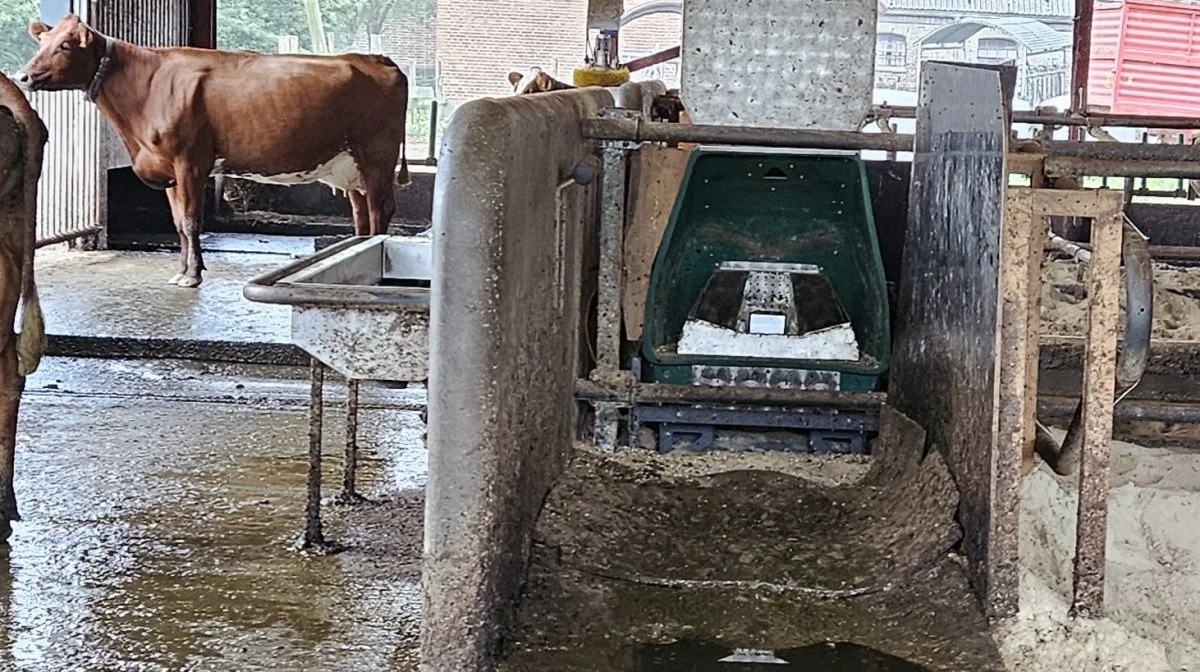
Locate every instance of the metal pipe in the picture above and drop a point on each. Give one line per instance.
(653, 59)
(433, 133)
(1065, 118)
(1121, 151)
(68, 236)
(349, 493)
(661, 393)
(1059, 244)
(313, 539)
(1081, 54)
(1091, 158)
(636, 130)
(1136, 410)
(1059, 166)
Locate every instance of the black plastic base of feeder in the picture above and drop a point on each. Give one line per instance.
(829, 431)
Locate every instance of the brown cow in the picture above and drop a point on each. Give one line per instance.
(20, 168)
(185, 114)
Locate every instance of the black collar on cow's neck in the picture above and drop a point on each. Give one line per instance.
(93, 89)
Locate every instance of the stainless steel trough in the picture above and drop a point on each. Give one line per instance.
(360, 307)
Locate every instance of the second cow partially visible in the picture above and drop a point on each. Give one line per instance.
(185, 114)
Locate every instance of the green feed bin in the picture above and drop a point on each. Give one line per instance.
(766, 206)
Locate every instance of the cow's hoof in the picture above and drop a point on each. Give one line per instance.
(189, 282)
(5, 531)
(175, 279)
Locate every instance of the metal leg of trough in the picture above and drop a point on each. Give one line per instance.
(313, 539)
(349, 494)
(1099, 382)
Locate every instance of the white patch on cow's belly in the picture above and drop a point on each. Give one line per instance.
(340, 172)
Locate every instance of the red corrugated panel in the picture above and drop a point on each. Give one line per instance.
(1106, 32)
(1154, 68)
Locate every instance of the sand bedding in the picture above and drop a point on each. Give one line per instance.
(1176, 300)
(1153, 588)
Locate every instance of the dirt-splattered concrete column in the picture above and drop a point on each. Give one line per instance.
(503, 347)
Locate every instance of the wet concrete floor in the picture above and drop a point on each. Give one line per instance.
(120, 294)
(159, 502)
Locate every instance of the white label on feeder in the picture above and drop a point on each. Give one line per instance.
(768, 323)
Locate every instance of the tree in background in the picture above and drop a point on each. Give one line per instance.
(258, 24)
(16, 47)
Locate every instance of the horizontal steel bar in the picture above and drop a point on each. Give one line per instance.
(1059, 407)
(653, 59)
(69, 235)
(1121, 151)
(1062, 166)
(652, 131)
(586, 390)
(1062, 118)
(1092, 158)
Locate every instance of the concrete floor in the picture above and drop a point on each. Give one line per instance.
(111, 294)
(159, 502)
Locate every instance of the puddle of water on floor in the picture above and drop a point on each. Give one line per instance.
(156, 536)
(688, 656)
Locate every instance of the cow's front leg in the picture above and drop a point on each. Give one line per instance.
(189, 189)
(11, 386)
(177, 219)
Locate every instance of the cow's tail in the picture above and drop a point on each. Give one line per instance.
(31, 341)
(403, 179)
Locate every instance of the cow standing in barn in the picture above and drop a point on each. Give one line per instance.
(187, 114)
(21, 151)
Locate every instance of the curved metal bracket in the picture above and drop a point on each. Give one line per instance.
(1134, 353)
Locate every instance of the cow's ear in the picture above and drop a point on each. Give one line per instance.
(514, 77)
(85, 36)
(37, 29)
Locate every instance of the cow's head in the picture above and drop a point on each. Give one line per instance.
(68, 58)
(535, 81)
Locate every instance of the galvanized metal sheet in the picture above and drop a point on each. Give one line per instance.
(73, 195)
(945, 368)
(781, 63)
(366, 343)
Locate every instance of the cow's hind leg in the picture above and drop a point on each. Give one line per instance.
(190, 192)
(358, 207)
(381, 200)
(177, 219)
(11, 386)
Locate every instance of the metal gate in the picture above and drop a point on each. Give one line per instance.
(73, 198)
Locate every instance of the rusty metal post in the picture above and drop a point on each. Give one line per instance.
(349, 494)
(313, 539)
(1099, 383)
(1081, 55)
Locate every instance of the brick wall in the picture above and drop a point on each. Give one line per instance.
(480, 41)
(410, 41)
